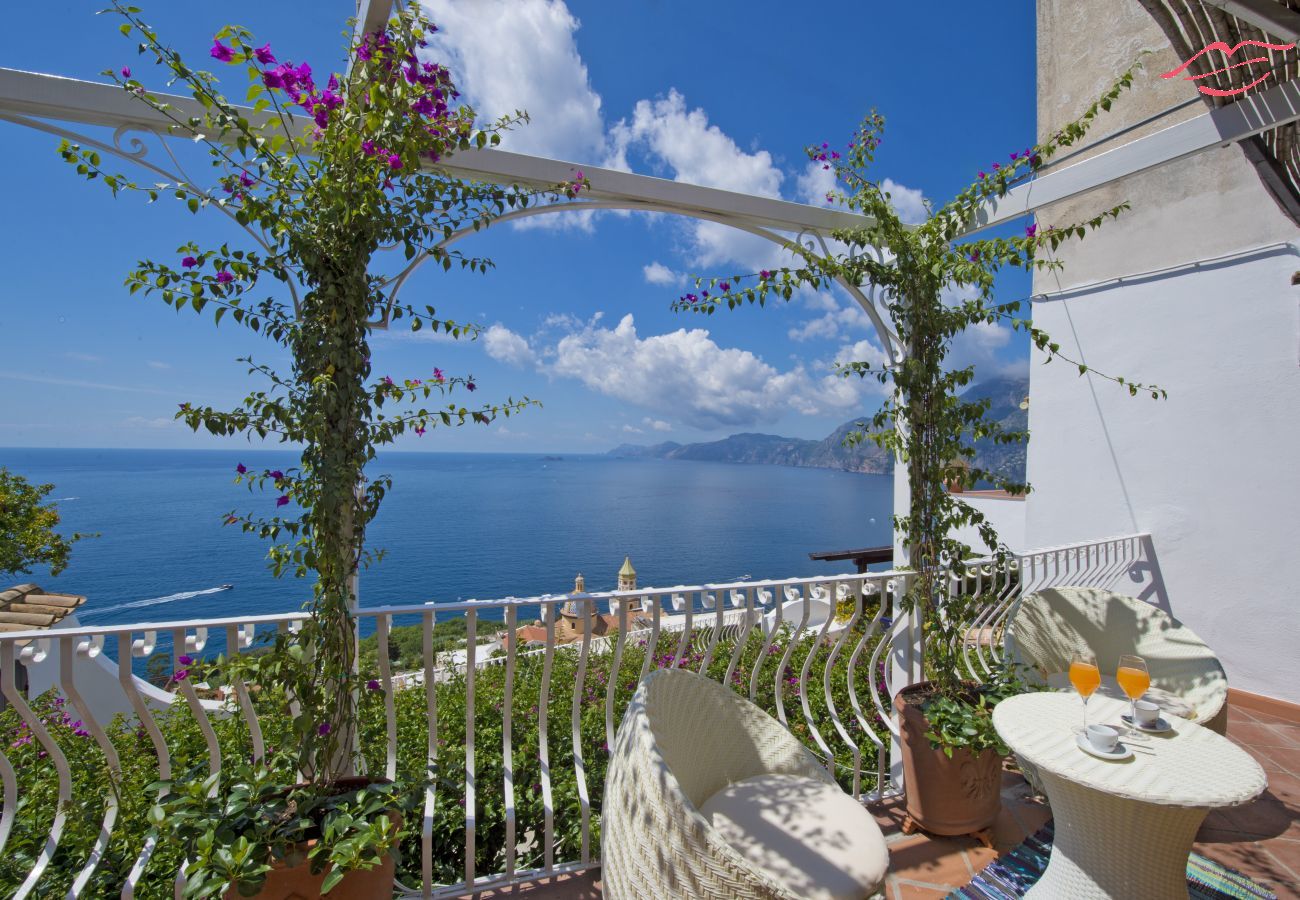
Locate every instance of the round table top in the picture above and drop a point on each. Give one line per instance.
(1189, 766)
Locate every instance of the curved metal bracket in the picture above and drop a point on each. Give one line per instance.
(893, 347)
(126, 145)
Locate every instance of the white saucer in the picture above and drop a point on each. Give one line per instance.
(1120, 751)
(1162, 725)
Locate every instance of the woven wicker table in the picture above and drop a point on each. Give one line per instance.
(1123, 829)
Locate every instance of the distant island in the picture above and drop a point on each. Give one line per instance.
(1004, 395)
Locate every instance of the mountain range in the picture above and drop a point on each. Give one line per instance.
(1004, 394)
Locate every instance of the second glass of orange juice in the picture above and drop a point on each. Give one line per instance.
(1134, 680)
(1086, 677)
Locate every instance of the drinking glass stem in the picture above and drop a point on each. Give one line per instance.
(1085, 715)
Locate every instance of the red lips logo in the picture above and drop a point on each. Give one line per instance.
(1227, 52)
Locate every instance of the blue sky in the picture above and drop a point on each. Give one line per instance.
(577, 313)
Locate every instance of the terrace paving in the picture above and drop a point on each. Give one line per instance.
(1261, 839)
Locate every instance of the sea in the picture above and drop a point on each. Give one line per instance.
(455, 526)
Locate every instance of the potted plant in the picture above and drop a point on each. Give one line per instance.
(933, 283)
(323, 173)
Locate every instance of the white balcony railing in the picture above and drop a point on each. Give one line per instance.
(504, 756)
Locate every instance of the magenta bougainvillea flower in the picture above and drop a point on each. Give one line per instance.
(323, 729)
(438, 376)
(264, 55)
(241, 468)
(394, 161)
(726, 286)
(181, 674)
(1031, 231)
(185, 660)
(373, 685)
(419, 430)
(220, 52)
(388, 379)
(974, 257)
(282, 500)
(764, 274)
(224, 277)
(126, 71)
(469, 385)
(189, 262)
(276, 474)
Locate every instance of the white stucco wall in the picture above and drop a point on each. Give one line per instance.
(1007, 518)
(1213, 473)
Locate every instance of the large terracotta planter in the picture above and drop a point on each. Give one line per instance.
(961, 794)
(298, 883)
(293, 879)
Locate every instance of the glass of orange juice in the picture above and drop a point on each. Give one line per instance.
(1134, 681)
(1086, 677)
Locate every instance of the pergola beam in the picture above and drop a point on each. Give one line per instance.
(372, 15)
(1215, 128)
(1268, 16)
(92, 103)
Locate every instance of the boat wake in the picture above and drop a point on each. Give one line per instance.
(154, 601)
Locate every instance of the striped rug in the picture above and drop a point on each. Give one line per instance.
(1015, 872)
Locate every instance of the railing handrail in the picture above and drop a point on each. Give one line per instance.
(458, 606)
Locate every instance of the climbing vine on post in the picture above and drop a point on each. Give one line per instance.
(322, 176)
(935, 286)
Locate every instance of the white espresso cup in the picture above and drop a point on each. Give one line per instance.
(1148, 714)
(1103, 738)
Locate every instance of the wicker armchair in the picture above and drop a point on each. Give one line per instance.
(709, 797)
(1186, 677)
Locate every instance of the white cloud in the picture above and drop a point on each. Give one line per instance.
(865, 350)
(908, 202)
(632, 429)
(683, 142)
(814, 183)
(506, 55)
(146, 422)
(155, 364)
(504, 345)
(657, 424)
(658, 273)
(684, 375)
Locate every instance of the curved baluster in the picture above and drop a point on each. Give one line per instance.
(431, 753)
(882, 710)
(769, 635)
(803, 693)
(35, 651)
(238, 639)
(827, 679)
(611, 682)
(742, 636)
(544, 747)
(182, 644)
(684, 640)
(70, 650)
(717, 607)
(382, 625)
(652, 642)
(507, 746)
(779, 682)
(9, 799)
(128, 649)
(575, 721)
(471, 817)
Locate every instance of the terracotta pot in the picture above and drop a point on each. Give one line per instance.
(298, 883)
(295, 880)
(961, 794)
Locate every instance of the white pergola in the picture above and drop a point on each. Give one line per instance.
(55, 104)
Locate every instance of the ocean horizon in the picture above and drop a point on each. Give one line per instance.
(456, 526)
